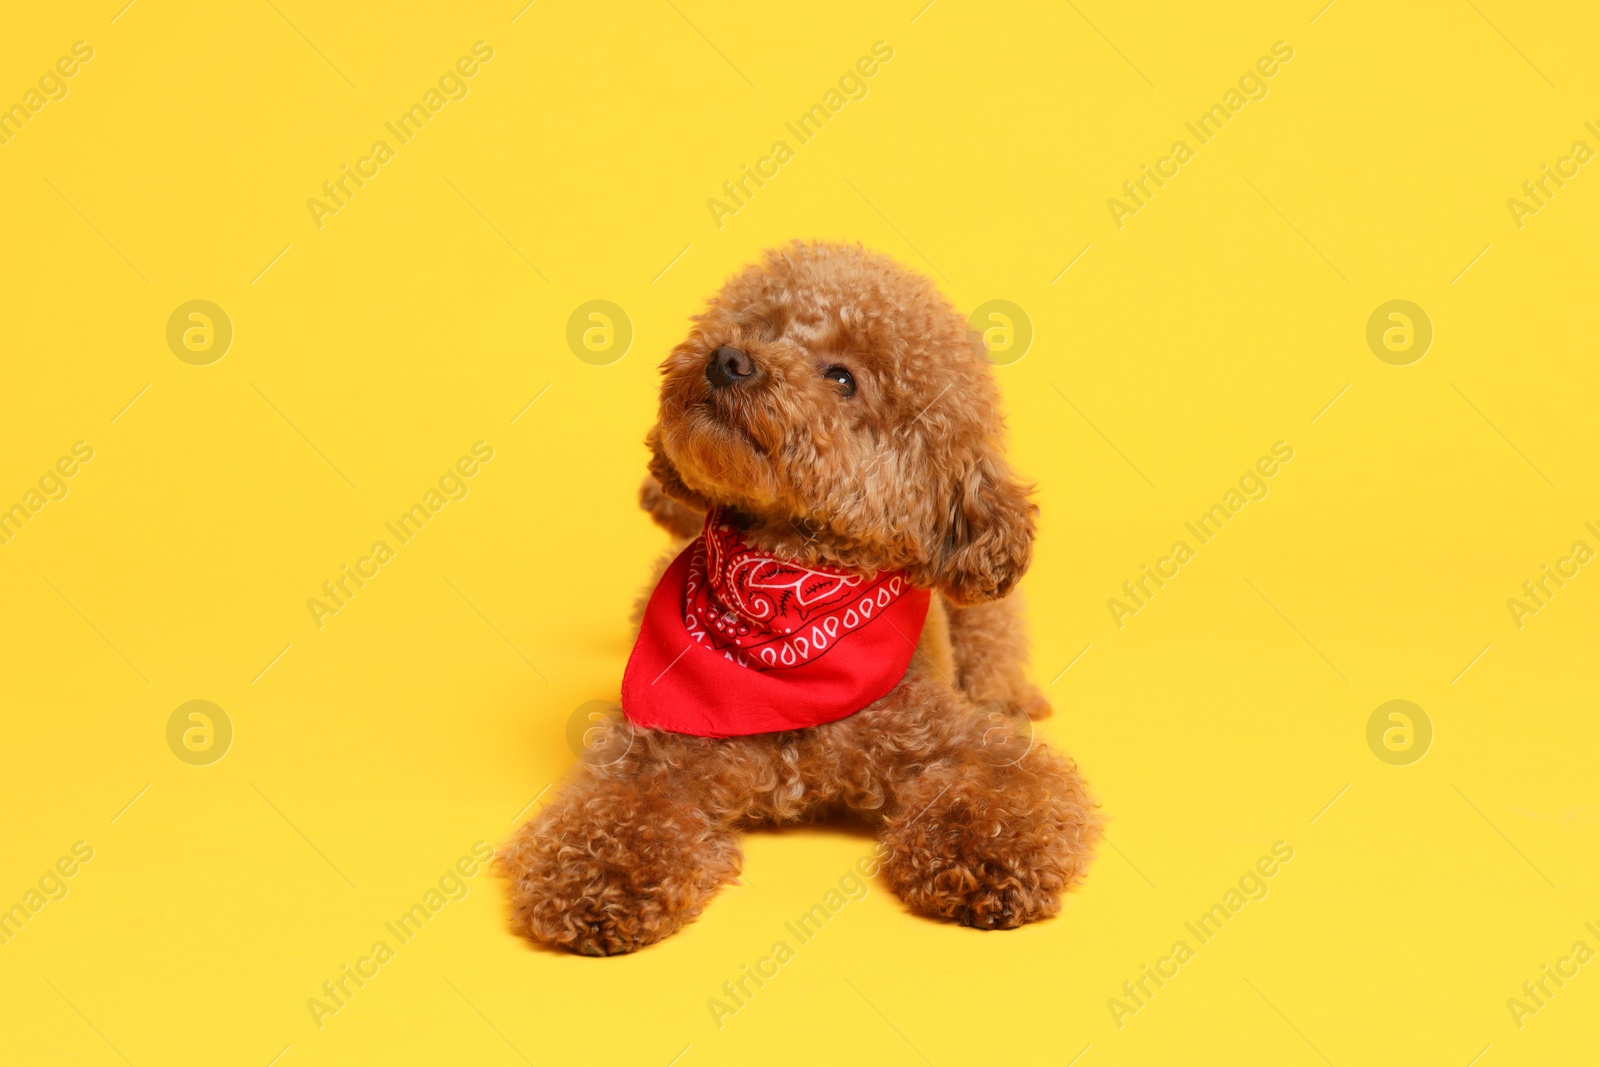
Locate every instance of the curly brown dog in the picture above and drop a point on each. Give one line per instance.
(837, 407)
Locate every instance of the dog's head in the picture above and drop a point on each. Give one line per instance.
(839, 404)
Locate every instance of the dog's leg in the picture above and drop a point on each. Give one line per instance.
(985, 835)
(622, 856)
(991, 646)
(669, 513)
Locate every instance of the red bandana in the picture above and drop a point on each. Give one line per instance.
(736, 642)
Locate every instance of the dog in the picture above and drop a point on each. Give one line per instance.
(827, 453)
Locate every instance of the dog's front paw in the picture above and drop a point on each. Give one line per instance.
(991, 847)
(606, 869)
(590, 929)
(977, 892)
(1033, 703)
(674, 516)
(565, 898)
(988, 885)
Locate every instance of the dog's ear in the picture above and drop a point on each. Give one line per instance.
(665, 473)
(983, 535)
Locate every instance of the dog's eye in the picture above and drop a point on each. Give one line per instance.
(847, 381)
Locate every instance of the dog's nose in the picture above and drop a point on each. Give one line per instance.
(728, 366)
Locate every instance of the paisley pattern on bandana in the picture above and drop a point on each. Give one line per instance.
(775, 613)
(737, 641)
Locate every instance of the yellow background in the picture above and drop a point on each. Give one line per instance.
(430, 711)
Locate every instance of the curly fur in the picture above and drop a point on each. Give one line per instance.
(906, 474)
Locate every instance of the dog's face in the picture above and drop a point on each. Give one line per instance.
(838, 403)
